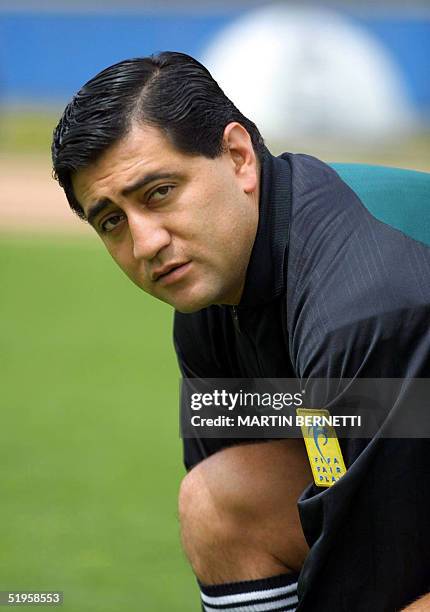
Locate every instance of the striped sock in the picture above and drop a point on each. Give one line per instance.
(275, 594)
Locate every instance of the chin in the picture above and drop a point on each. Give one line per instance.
(187, 304)
(188, 309)
(191, 306)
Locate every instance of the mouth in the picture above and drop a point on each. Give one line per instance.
(171, 274)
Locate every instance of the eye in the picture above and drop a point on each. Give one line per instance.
(160, 193)
(111, 223)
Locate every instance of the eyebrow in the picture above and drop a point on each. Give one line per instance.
(96, 209)
(99, 206)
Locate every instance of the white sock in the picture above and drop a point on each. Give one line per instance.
(275, 594)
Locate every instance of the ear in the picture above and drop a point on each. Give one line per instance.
(238, 146)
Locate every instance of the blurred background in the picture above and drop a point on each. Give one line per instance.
(90, 453)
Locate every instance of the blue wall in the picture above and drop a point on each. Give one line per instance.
(408, 41)
(46, 57)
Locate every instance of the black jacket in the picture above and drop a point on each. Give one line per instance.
(331, 292)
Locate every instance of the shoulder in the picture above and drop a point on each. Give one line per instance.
(357, 286)
(338, 244)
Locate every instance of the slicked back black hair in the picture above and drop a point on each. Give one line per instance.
(170, 91)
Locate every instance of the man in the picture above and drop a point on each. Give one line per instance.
(276, 269)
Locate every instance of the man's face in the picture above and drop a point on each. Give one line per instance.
(181, 227)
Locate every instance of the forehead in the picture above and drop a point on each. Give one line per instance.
(144, 149)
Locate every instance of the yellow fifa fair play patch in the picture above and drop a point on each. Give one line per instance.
(322, 446)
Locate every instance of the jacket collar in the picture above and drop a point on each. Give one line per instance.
(266, 273)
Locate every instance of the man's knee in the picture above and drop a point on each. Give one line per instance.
(213, 509)
(205, 524)
(233, 507)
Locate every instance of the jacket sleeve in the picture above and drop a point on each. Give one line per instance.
(358, 307)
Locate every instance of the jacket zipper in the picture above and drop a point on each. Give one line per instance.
(245, 335)
(236, 321)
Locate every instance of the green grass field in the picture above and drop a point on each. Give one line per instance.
(90, 451)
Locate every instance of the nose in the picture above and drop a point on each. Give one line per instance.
(148, 236)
